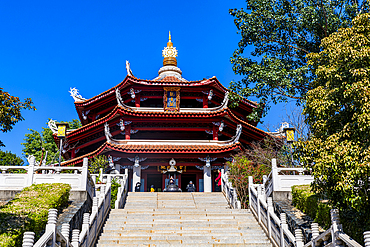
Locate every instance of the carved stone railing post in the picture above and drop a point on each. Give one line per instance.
(250, 183)
(270, 209)
(259, 194)
(84, 180)
(298, 238)
(86, 225)
(283, 226)
(28, 239)
(65, 231)
(75, 238)
(367, 239)
(275, 175)
(335, 228)
(315, 230)
(95, 204)
(30, 170)
(52, 224)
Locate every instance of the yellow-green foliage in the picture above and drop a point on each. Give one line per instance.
(28, 211)
(310, 204)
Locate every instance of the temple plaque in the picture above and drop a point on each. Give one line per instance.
(171, 99)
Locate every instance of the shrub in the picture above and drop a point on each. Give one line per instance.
(28, 211)
(114, 191)
(309, 203)
(240, 170)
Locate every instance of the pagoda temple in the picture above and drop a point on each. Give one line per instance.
(153, 126)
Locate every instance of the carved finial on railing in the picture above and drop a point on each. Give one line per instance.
(315, 230)
(283, 218)
(52, 217)
(367, 239)
(75, 237)
(95, 203)
(86, 219)
(298, 238)
(65, 230)
(334, 215)
(28, 239)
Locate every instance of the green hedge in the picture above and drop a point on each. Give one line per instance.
(310, 204)
(28, 211)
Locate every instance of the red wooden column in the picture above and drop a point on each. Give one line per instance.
(128, 132)
(137, 100)
(215, 132)
(205, 101)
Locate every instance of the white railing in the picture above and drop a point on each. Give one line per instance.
(278, 180)
(122, 192)
(77, 177)
(91, 225)
(229, 191)
(277, 228)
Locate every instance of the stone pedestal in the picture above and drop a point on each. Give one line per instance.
(207, 179)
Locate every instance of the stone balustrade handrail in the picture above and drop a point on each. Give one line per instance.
(78, 177)
(92, 223)
(277, 228)
(229, 191)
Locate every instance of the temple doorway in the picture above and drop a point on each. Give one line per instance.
(156, 180)
(186, 178)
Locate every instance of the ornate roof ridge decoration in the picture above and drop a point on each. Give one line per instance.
(75, 94)
(184, 110)
(111, 140)
(128, 69)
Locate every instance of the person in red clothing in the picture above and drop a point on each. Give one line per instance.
(219, 181)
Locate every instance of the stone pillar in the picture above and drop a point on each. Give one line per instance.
(298, 238)
(75, 238)
(207, 179)
(136, 176)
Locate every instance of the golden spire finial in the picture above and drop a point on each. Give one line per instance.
(169, 53)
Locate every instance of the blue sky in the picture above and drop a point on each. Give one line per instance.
(46, 47)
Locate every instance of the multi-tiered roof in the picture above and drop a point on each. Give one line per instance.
(140, 116)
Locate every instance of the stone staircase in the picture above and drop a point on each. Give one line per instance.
(181, 219)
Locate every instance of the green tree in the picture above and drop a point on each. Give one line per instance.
(10, 159)
(338, 111)
(10, 111)
(38, 144)
(281, 33)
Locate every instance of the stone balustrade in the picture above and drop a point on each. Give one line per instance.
(77, 177)
(229, 191)
(92, 223)
(277, 228)
(281, 179)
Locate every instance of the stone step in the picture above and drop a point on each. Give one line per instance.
(187, 245)
(181, 219)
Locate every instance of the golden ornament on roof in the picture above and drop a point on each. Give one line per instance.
(169, 51)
